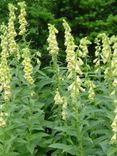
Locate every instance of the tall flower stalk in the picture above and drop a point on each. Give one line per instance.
(103, 54)
(73, 64)
(74, 72)
(5, 75)
(13, 48)
(97, 60)
(114, 91)
(53, 51)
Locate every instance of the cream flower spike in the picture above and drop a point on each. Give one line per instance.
(52, 41)
(5, 75)
(28, 68)
(22, 18)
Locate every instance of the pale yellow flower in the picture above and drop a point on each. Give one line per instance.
(52, 41)
(28, 68)
(5, 75)
(64, 109)
(22, 18)
(58, 98)
(91, 86)
(11, 30)
(113, 139)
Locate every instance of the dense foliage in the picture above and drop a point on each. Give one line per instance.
(50, 107)
(86, 18)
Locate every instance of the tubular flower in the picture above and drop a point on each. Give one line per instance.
(5, 79)
(72, 63)
(97, 55)
(114, 126)
(58, 99)
(83, 49)
(106, 49)
(106, 55)
(11, 30)
(75, 87)
(114, 92)
(22, 18)
(2, 121)
(28, 68)
(5, 75)
(52, 41)
(91, 86)
(64, 108)
(114, 64)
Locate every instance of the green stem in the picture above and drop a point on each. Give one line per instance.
(56, 70)
(75, 101)
(57, 80)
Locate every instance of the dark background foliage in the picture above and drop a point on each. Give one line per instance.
(86, 18)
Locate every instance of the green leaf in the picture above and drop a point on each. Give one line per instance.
(71, 149)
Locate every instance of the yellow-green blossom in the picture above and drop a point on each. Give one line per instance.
(106, 49)
(72, 63)
(106, 55)
(75, 87)
(2, 120)
(64, 108)
(22, 18)
(5, 75)
(52, 41)
(83, 49)
(28, 68)
(97, 60)
(103, 54)
(114, 92)
(114, 63)
(91, 86)
(11, 30)
(58, 98)
(114, 139)
(114, 128)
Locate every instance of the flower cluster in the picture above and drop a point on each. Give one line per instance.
(5, 76)
(11, 30)
(52, 41)
(114, 92)
(106, 49)
(64, 108)
(106, 55)
(91, 86)
(2, 120)
(22, 19)
(114, 125)
(58, 98)
(97, 61)
(75, 87)
(114, 63)
(103, 54)
(28, 68)
(62, 103)
(73, 63)
(83, 49)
